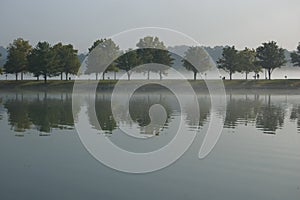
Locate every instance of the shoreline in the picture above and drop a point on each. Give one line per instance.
(58, 85)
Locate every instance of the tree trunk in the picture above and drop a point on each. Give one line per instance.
(230, 76)
(195, 76)
(16, 76)
(61, 76)
(128, 75)
(246, 75)
(148, 76)
(160, 75)
(103, 75)
(115, 75)
(21, 76)
(269, 73)
(66, 76)
(38, 78)
(45, 79)
(96, 76)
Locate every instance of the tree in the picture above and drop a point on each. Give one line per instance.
(296, 56)
(196, 60)
(229, 61)
(247, 62)
(66, 59)
(270, 56)
(1, 71)
(151, 50)
(101, 53)
(42, 61)
(17, 57)
(128, 61)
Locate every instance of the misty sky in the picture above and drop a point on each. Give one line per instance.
(211, 22)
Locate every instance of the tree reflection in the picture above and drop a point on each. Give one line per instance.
(104, 114)
(42, 113)
(266, 116)
(139, 106)
(1, 108)
(17, 110)
(270, 117)
(241, 111)
(295, 115)
(204, 108)
(47, 113)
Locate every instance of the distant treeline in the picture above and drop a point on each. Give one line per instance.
(45, 60)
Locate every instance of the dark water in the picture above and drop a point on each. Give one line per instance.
(257, 156)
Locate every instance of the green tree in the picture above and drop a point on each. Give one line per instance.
(270, 56)
(229, 61)
(196, 60)
(296, 56)
(1, 71)
(128, 61)
(247, 62)
(152, 50)
(66, 59)
(17, 57)
(101, 53)
(42, 61)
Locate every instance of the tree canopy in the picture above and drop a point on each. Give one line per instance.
(270, 56)
(197, 60)
(42, 61)
(247, 62)
(152, 50)
(66, 59)
(295, 56)
(101, 53)
(17, 57)
(128, 61)
(229, 61)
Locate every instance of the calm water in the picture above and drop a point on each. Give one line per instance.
(257, 156)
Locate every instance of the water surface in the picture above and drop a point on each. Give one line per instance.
(257, 156)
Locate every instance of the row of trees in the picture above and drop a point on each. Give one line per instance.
(42, 60)
(47, 61)
(150, 50)
(269, 56)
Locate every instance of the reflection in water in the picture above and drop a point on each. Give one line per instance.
(45, 112)
(103, 112)
(266, 116)
(295, 115)
(39, 112)
(204, 107)
(139, 106)
(270, 117)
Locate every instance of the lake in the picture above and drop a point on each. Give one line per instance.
(256, 157)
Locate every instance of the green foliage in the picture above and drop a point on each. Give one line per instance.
(1, 70)
(128, 61)
(197, 60)
(42, 61)
(229, 61)
(66, 59)
(247, 62)
(101, 56)
(270, 56)
(151, 50)
(295, 56)
(17, 57)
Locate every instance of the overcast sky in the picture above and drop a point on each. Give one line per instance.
(211, 22)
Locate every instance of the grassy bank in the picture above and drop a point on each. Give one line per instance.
(109, 84)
